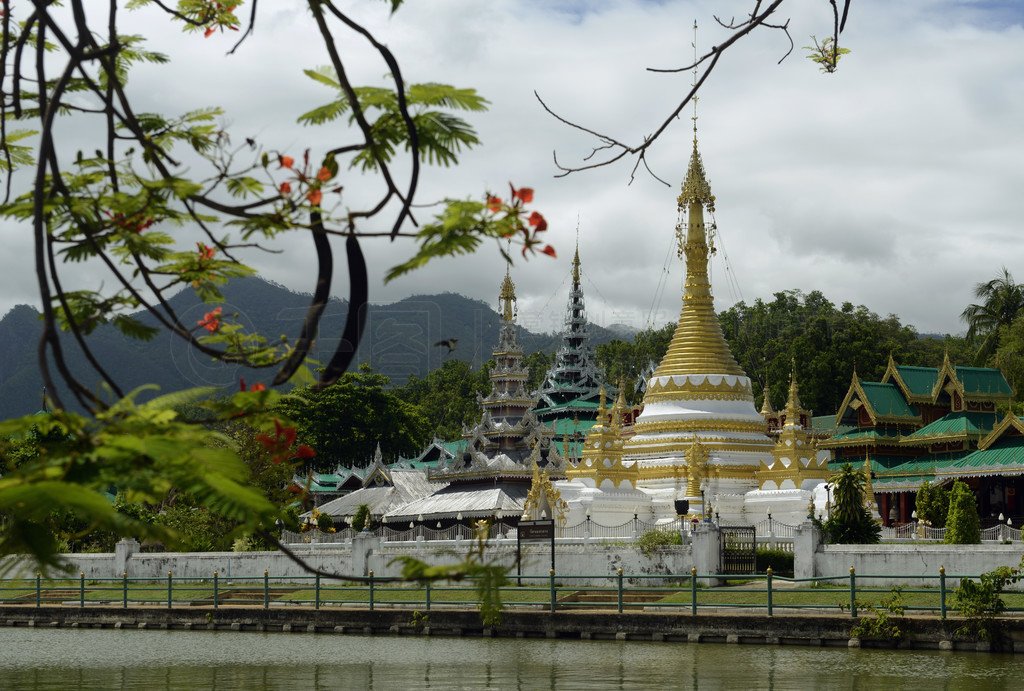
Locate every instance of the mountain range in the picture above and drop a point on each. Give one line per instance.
(399, 341)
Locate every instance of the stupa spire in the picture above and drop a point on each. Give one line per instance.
(698, 346)
(507, 298)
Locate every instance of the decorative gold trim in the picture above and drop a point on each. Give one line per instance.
(542, 493)
(1007, 422)
(701, 425)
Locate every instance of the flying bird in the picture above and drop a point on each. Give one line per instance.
(449, 342)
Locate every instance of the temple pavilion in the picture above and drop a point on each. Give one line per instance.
(491, 474)
(932, 424)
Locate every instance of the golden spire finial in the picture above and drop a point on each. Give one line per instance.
(766, 406)
(793, 404)
(602, 407)
(507, 298)
(694, 84)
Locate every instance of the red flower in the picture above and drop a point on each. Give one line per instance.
(548, 250)
(286, 161)
(524, 194)
(260, 387)
(314, 197)
(209, 32)
(538, 221)
(204, 251)
(324, 175)
(282, 441)
(494, 204)
(211, 321)
(286, 188)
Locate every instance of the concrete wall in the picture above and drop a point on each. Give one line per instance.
(914, 560)
(361, 555)
(599, 561)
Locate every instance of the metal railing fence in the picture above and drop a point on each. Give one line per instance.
(845, 594)
(588, 528)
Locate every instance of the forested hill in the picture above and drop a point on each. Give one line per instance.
(399, 341)
(825, 343)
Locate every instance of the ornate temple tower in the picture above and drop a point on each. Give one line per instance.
(699, 429)
(509, 438)
(573, 383)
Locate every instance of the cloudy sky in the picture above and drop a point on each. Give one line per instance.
(895, 183)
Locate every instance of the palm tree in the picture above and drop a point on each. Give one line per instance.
(1002, 301)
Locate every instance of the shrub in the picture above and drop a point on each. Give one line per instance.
(325, 523)
(932, 505)
(963, 526)
(362, 517)
(781, 562)
(650, 541)
(849, 521)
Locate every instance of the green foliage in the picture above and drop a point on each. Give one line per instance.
(849, 521)
(441, 134)
(932, 505)
(963, 525)
(827, 343)
(980, 602)
(879, 626)
(1009, 358)
(649, 542)
(447, 397)
(1002, 301)
(538, 363)
(825, 53)
(780, 562)
(362, 518)
(345, 422)
(626, 362)
(325, 523)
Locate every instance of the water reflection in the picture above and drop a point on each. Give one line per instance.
(123, 659)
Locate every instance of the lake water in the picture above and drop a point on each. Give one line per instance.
(131, 659)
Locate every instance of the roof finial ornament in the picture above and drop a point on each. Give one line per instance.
(694, 84)
(507, 298)
(576, 261)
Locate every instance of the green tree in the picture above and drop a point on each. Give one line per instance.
(447, 397)
(826, 342)
(538, 363)
(1009, 358)
(345, 422)
(932, 505)
(849, 521)
(625, 362)
(1001, 302)
(963, 526)
(362, 517)
(119, 207)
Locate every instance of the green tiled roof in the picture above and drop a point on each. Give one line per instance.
(1006, 457)
(880, 463)
(564, 426)
(827, 423)
(983, 381)
(857, 435)
(959, 425)
(575, 403)
(919, 380)
(887, 401)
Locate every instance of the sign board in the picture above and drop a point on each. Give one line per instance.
(530, 531)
